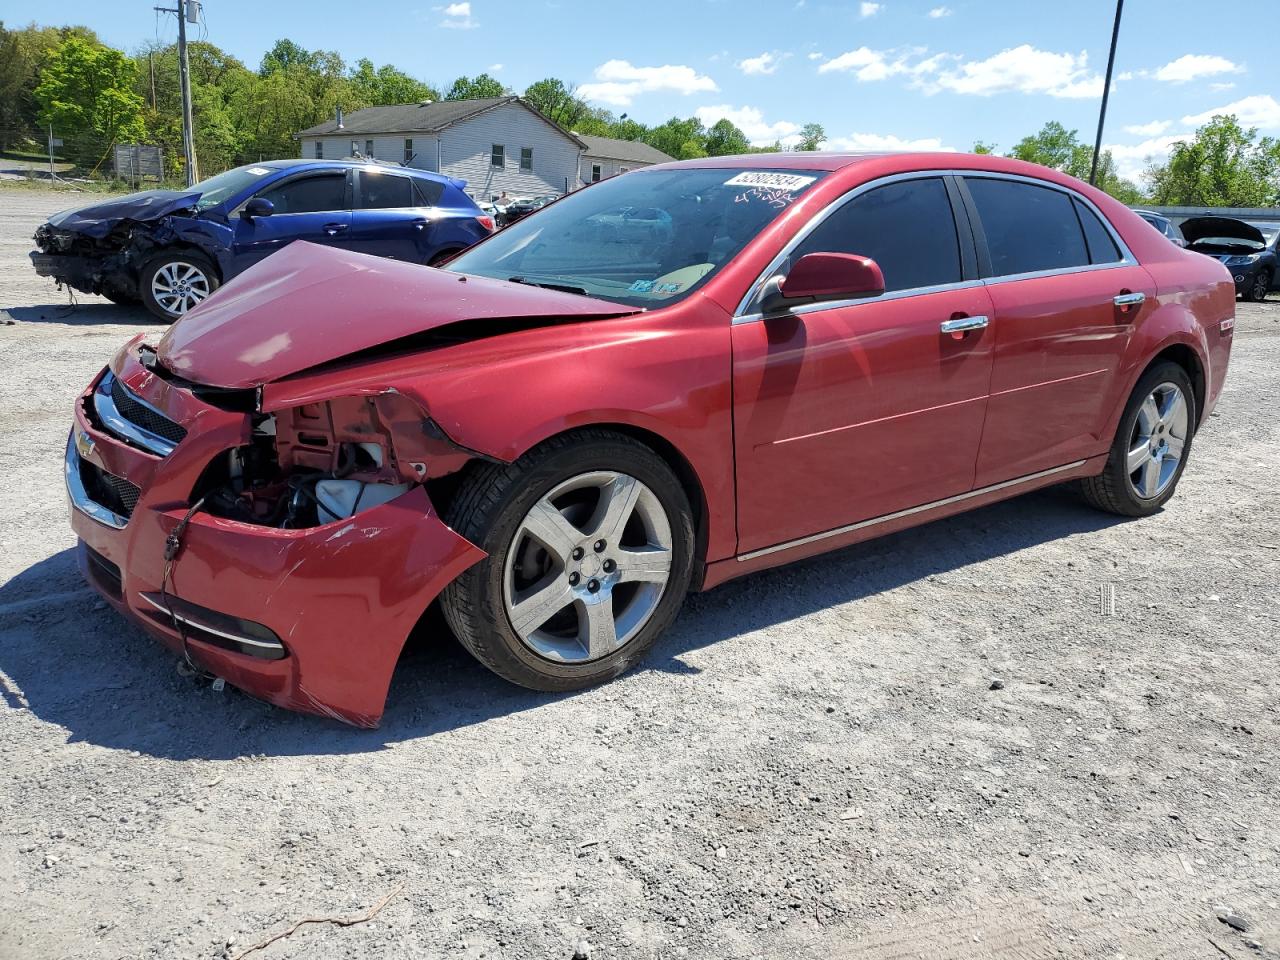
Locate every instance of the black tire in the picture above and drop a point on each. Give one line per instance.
(488, 510)
(168, 258)
(1257, 289)
(1112, 490)
(121, 298)
(443, 257)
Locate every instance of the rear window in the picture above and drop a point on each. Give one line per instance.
(380, 191)
(1102, 249)
(1028, 228)
(427, 192)
(907, 228)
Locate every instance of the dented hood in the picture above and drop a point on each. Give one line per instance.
(308, 305)
(99, 219)
(1200, 228)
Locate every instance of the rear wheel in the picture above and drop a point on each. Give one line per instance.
(1151, 446)
(174, 282)
(590, 552)
(1257, 290)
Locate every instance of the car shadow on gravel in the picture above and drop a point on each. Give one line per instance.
(66, 657)
(96, 312)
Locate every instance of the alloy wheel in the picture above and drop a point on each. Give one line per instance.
(1158, 438)
(587, 567)
(178, 286)
(1261, 283)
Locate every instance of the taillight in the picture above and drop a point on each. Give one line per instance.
(486, 221)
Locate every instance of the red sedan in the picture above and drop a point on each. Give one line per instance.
(658, 383)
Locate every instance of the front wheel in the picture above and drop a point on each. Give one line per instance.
(590, 552)
(1151, 446)
(1257, 289)
(172, 283)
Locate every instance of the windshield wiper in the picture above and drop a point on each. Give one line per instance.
(562, 287)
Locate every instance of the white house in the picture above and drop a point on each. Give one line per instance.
(606, 157)
(496, 144)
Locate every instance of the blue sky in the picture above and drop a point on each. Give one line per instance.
(875, 75)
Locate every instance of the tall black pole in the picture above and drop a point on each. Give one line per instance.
(184, 79)
(1106, 91)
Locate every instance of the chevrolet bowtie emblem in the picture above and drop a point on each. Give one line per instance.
(84, 443)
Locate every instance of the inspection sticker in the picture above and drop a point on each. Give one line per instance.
(258, 171)
(775, 181)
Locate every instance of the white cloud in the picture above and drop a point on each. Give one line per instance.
(496, 67)
(765, 64)
(1219, 87)
(878, 141)
(1152, 129)
(457, 16)
(1193, 66)
(1023, 69)
(618, 82)
(751, 122)
(1132, 159)
(815, 56)
(867, 64)
(937, 13)
(866, 9)
(1261, 110)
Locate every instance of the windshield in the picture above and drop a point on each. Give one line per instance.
(643, 239)
(226, 185)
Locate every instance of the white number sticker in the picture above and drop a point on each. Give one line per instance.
(789, 182)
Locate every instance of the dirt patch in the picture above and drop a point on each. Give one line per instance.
(812, 764)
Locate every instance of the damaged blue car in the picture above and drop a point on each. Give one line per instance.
(170, 249)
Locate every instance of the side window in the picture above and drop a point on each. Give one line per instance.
(497, 155)
(427, 193)
(1102, 249)
(380, 191)
(1028, 228)
(526, 159)
(327, 191)
(408, 150)
(368, 148)
(595, 172)
(907, 228)
(319, 149)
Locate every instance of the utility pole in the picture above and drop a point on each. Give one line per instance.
(186, 10)
(1106, 91)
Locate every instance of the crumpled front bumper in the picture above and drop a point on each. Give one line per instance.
(341, 597)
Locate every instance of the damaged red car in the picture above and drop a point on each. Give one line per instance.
(658, 383)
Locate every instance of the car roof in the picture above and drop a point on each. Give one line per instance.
(304, 163)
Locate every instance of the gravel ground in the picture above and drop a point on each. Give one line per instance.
(813, 764)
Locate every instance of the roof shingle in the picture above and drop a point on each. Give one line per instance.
(634, 151)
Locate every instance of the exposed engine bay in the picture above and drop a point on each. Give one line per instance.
(104, 264)
(321, 462)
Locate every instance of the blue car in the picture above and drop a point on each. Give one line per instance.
(169, 249)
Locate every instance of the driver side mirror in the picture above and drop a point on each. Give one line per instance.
(257, 207)
(819, 277)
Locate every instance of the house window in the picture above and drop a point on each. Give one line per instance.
(497, 155)
(368, 148)
(623, 169)
(319, 149)
(408, 149)
(595, 173)
(526, 159)
(355, 148)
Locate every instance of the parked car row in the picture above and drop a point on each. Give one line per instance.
(170, 249)
(1248, 250)
(668, 380)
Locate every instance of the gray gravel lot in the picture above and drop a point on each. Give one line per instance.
(812, 764)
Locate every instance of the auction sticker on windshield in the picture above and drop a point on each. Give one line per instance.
(775, 181)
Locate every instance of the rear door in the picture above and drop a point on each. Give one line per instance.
(852, 410)
(1066, 295)
(394, 214)
(312, 206)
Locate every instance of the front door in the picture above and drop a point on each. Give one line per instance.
(1062, 292)
(854, 410)
(312, 207)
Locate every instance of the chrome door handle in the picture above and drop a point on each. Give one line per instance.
(1129, 299)
(961, 324)
(333, 229)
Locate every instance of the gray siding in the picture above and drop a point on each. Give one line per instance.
(389, 148)
(465, 151)
(608, 167)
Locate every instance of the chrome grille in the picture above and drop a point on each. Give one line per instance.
(131, 419)
(137, 412)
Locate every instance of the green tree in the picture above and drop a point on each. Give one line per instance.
(1057, 147)
(682, 139)
(557, 102)
(812, 137)
(386, 85)
(87, 91)
(1224, 165)
(724, 139)
(473, 88)
(981, 147)
(21, 53)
